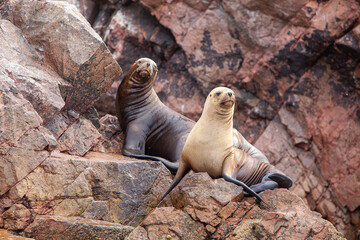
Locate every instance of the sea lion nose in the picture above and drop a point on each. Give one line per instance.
(230, 94)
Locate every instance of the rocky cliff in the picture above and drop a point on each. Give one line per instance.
(293, 65)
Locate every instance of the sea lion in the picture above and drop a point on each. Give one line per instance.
(152, 130)
(210, 148)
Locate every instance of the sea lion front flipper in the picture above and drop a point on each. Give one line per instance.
(173, 167)
(134, 143)
(182, 170)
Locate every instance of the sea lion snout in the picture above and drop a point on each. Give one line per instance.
(225, 96)
(146, 68)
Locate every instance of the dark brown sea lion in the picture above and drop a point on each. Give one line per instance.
(152, 130)
(210, 148)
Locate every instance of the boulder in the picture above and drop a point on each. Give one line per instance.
(62, 39)
(68, 228)
(17, 217)
(100, 186)
(5, 235)
(211, 210)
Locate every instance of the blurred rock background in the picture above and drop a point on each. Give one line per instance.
(294, 66)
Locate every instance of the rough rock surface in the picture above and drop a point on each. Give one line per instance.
(291, 64)
(68, 228)
(6, 235)
(294, 66)
(208, 211)
(55, 29)
(107, 187)
(53, 67)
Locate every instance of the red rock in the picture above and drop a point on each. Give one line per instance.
(16, 217)
(54, 227)
(112, 139)
(159, 225)
(286, 216)
(75, 142)
(6, 235)
(85, 63)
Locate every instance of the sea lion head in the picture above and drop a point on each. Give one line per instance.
(143, 71)
(221, 102)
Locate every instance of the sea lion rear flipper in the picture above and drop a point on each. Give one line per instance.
(246, 188)
(173, 167)
(182, 170)
(272, 181)
(269, 184)
(282, 180)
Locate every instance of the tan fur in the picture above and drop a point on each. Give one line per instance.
(211, 139)
(210, 146)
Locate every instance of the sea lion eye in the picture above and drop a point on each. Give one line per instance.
(139, 61)
(218, 93)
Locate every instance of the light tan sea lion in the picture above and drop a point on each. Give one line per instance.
(152, 130)
(210, 148)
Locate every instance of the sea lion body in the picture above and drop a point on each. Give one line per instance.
(210, 148)
(152, 130)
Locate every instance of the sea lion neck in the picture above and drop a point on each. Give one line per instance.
(217, 114)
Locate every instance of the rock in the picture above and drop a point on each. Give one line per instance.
(16, 217)
(54, 227)
(286, 216)
(206, 196)
(87, 8)
(6, 235)
(65, 41)
(112, 137)
(79, 138)
(350, 43)
(101, 186)
(169, 223)
(37, 64)
(177, 88)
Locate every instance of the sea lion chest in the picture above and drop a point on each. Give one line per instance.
(206, 149)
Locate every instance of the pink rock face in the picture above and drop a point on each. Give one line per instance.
(206, 212)
(7, 235)
(75, 41)
(294, 67)
(50, 227)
